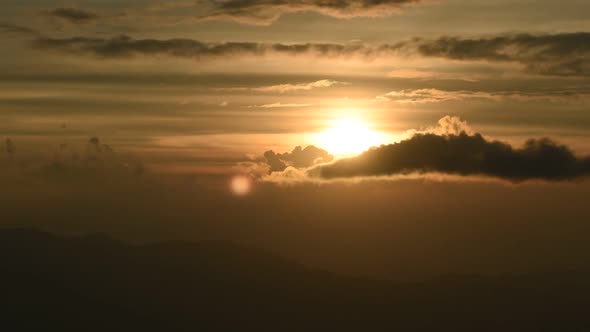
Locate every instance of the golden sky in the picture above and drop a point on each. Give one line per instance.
(399, 138)
(200, 86)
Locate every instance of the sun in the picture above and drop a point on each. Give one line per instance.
(349, 136)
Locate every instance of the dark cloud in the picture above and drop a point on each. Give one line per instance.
(463, 154)
(16, 29)
(558, 54)
(68, 161)
(266, 11)
(124, 46)
(9, 146)
(299, 158)
(73, 15)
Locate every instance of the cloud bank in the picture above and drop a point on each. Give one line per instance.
(564, 54)
(125, 47)
(463, 154)
(452, 148)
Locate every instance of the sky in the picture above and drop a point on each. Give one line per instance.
(248, 120)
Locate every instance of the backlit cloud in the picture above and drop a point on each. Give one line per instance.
(298, 158)
(451, 148)
(463, 154)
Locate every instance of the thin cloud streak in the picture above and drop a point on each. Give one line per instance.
(429, 96)
(19, 30)
(280, 105)
(72, 15)
(424, 96)
(284, 88)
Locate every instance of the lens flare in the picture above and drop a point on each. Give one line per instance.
(241, 185)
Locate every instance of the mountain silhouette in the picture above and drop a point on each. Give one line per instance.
(96, 283)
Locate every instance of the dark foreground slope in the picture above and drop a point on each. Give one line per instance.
(50, 283)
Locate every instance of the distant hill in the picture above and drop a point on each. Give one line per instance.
(95, 283)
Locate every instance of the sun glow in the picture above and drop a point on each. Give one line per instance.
(349, 137)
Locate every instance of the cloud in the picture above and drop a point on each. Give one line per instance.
(422, 96)
(462, 154)
(280, 105)
(448, 125)
(125, 47)
(411, 73)
(564, 54)
(69, 161)
(283, 88)
(451, 150)
(289, 176)
(72, 15)
(426, 96)
(298, 158)
(9, 146)
(263, 12)
(15, 29)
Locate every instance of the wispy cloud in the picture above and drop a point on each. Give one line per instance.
(263, 12)
(410, 73)
(421, 96)
(16, 29)
(426, 96)
(283, 88)
(280, 105)
(72, 15)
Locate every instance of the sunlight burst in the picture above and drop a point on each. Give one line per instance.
(349, 137)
